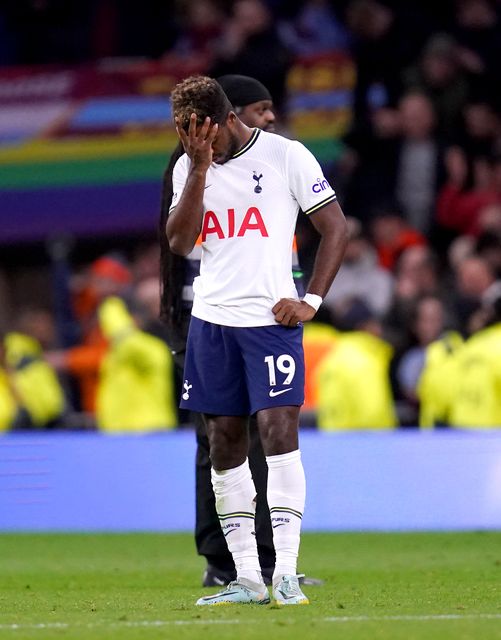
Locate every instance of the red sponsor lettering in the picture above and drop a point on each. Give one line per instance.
(257, 225)
(253, 221)
(211, 225)
(231, 223)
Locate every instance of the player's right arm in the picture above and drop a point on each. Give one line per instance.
(185, 219)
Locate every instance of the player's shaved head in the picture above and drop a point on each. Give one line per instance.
(201, 95)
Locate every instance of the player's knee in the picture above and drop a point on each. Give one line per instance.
(280, 440)
(228, 445)
(223, 459)
(279, 430)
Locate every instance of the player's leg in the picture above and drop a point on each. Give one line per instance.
(209, 537)
(264, 534)
(215, 385)
(275, 377)
(235, 495)
(234, 491)
(286, 496)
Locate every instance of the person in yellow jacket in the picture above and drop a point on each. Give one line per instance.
(477, 390)
(353, 384)
(136, 381)
(33, 384)
(436, 385)
(8, 405)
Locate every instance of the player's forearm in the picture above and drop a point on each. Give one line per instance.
(334, 238)
(185, 221)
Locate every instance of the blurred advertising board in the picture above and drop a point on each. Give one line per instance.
(83, 149)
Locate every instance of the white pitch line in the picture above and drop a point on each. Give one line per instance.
(165, 623)
(417, 618)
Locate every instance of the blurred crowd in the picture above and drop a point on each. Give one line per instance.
(99, 357)
(410, 333)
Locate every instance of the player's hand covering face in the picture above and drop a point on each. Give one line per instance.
(198, 144)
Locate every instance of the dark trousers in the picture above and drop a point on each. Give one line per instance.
(208, 535)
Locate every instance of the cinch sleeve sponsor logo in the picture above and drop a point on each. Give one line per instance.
(320, 185)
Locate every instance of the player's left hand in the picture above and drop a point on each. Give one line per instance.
(289, 312)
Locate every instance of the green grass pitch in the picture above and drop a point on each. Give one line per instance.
(140, 586)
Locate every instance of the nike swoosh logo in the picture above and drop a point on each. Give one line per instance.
(209, 185)
(226, 593)
(278, 525)
(277, 393)
(228, 532)
(285, 595)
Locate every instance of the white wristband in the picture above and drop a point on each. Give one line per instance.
(313, 300)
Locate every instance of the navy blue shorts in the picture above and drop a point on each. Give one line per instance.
(236, 371)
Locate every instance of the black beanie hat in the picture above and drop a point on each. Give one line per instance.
(243, 90)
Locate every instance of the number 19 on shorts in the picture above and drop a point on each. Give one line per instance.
(283, 364)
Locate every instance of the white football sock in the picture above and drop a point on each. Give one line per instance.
(235, 495)
(286, 497)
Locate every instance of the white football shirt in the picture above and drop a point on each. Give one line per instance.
(250, 206)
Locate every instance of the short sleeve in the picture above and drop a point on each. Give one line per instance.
(179, 177)
(307, 182)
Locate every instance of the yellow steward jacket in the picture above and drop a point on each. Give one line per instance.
(436, 385)
(8, 406)
(477, 396)
(35, 381)
(136, 379)
(353, 384)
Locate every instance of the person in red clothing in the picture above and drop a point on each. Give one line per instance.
(468, 191)
(392, 235)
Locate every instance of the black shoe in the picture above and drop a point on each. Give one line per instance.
(214, 577)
